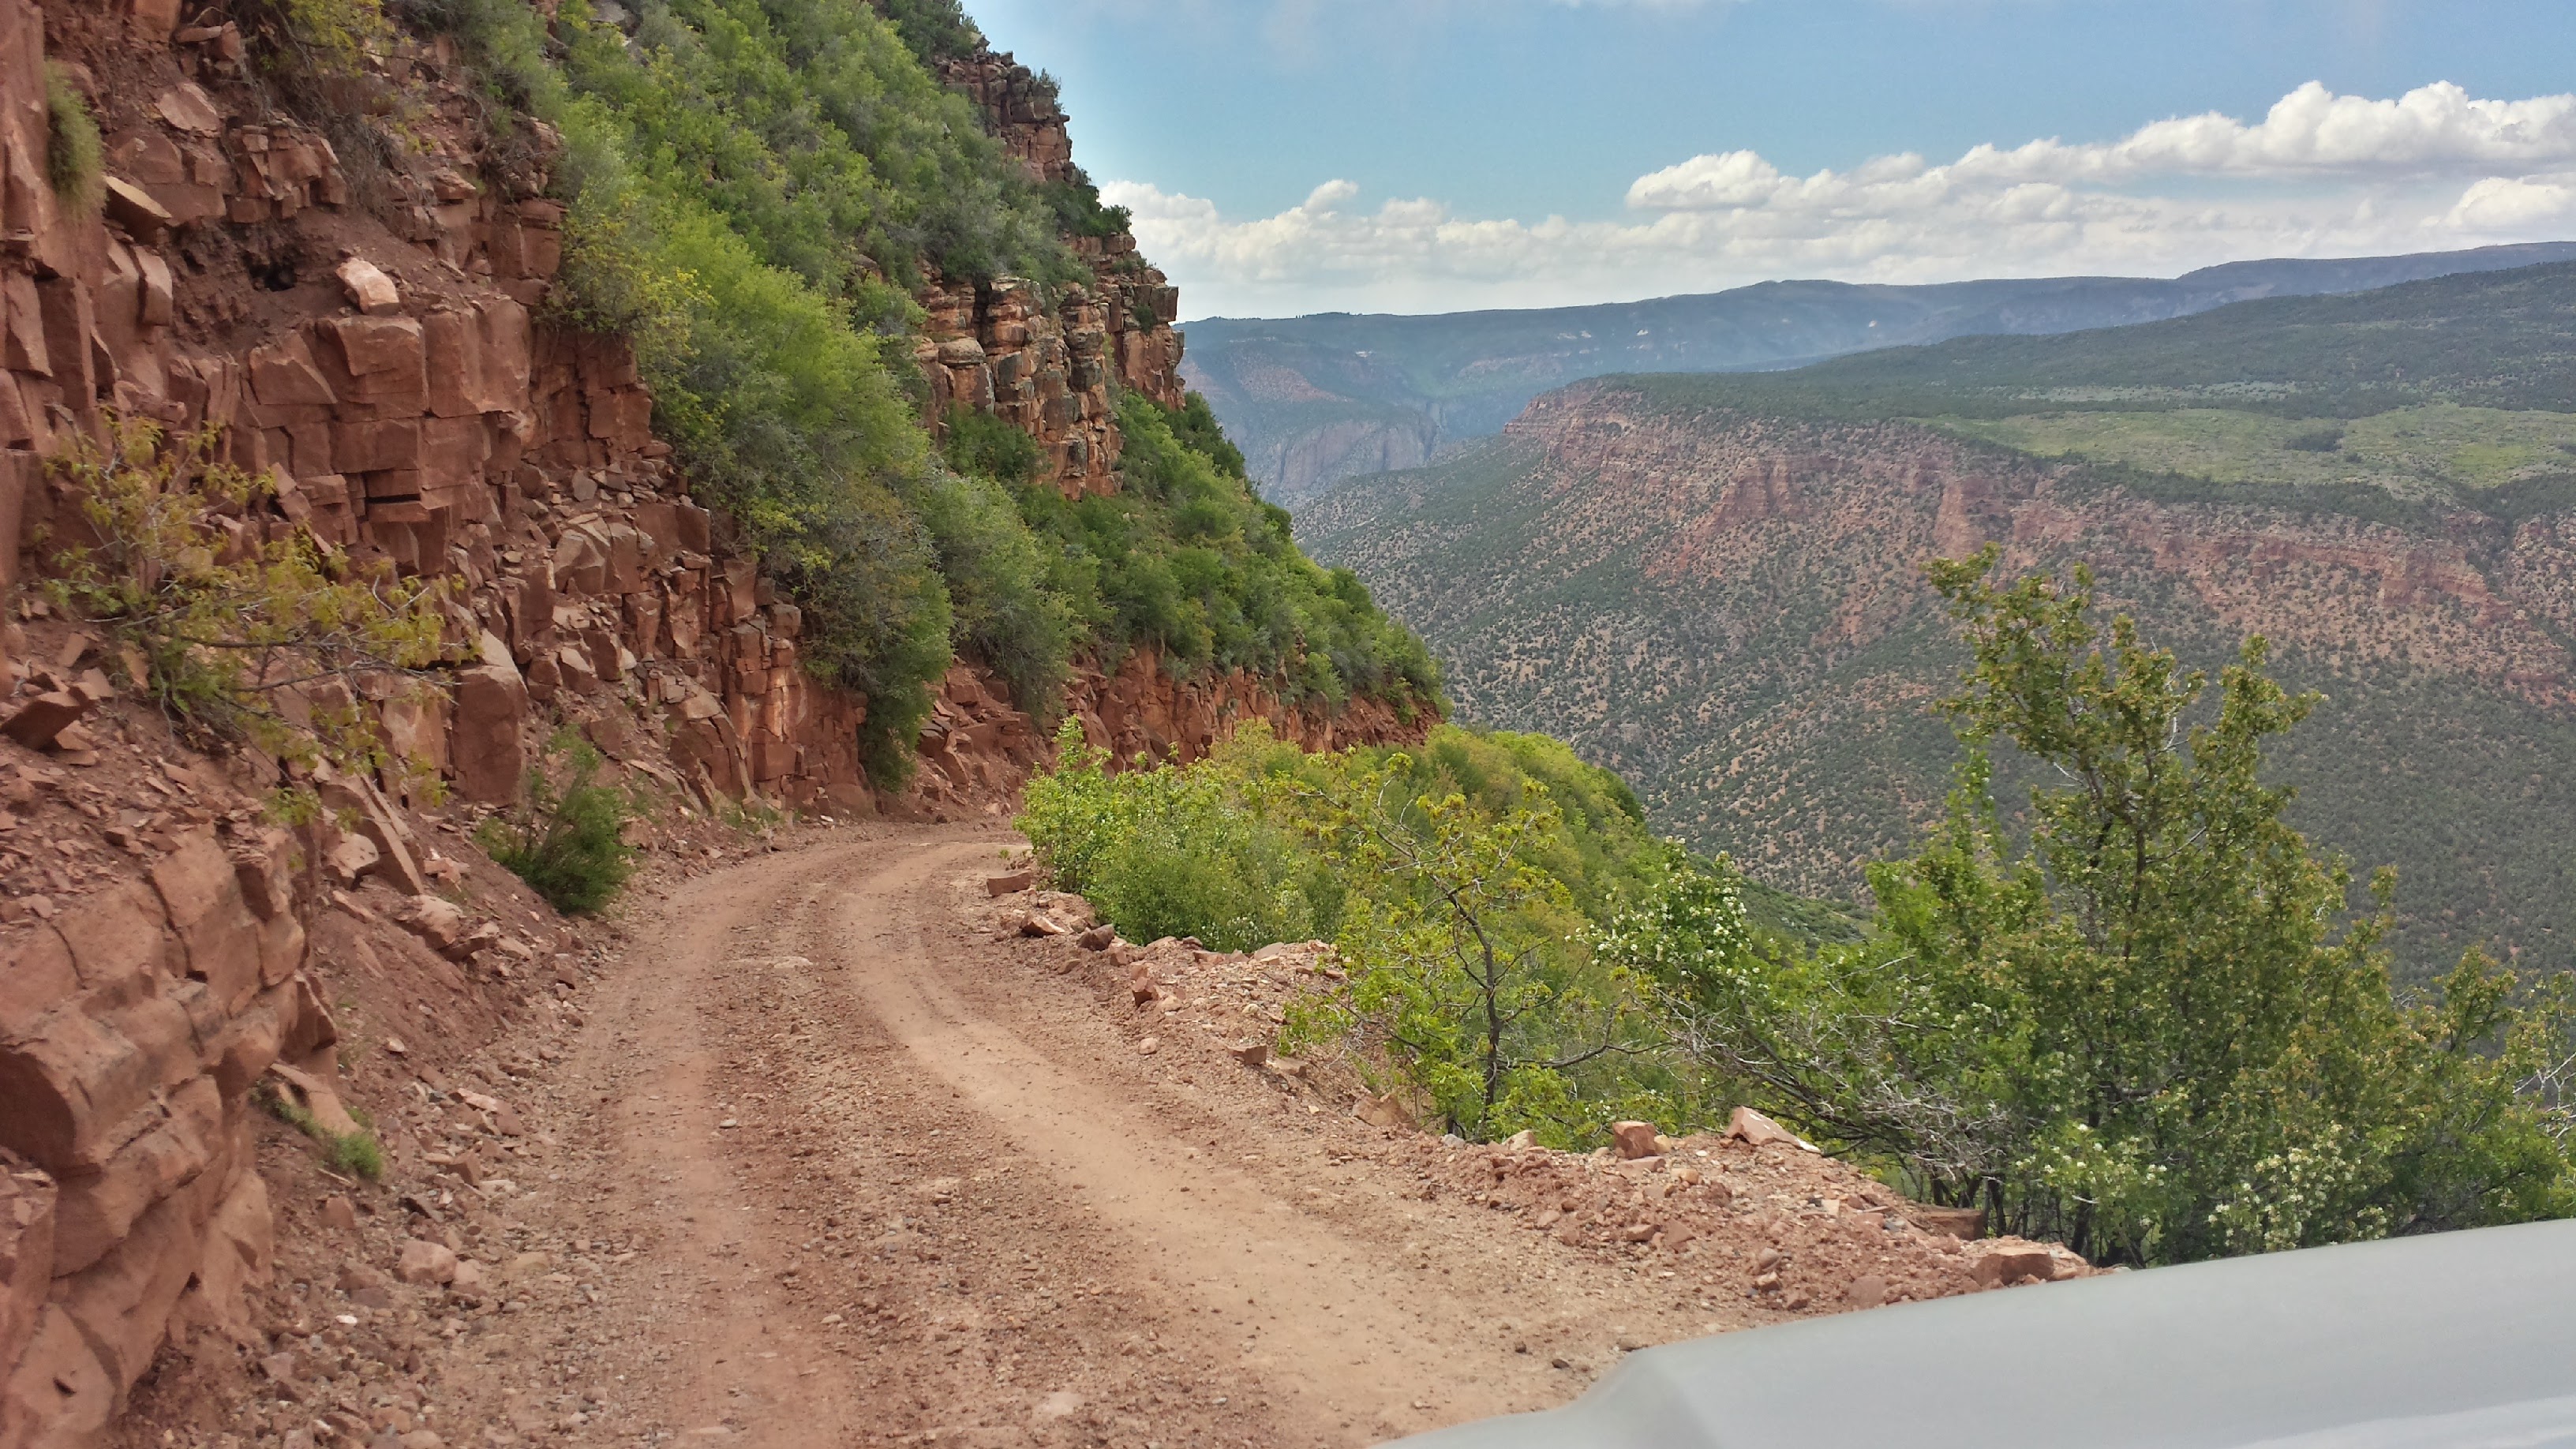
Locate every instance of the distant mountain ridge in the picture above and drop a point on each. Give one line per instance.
(1313, 400)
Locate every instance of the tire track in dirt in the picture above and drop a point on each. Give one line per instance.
(882, 1178)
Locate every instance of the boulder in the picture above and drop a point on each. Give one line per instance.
(40, 718)
(1634, 1139)
(436, 921)
(1754, 1129)
(491, 710)
(2010, 1262)
(1011, 884)
(426, 1263)
(369, 289)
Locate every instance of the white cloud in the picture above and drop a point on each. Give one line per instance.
(2319, 174)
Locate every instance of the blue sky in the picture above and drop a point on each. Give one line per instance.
(1298, 155)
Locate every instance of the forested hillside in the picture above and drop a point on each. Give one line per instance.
(788, 204)
(1713, 583)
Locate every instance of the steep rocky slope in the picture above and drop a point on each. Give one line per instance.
(373, 333)
(1314, 400)
(1715, 588)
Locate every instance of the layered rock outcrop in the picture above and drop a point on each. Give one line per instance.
(390, 368)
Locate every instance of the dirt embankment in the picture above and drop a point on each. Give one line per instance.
(822, 1150)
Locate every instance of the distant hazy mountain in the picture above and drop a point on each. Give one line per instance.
(1316, 399)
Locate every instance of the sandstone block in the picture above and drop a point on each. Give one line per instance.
(2008, 1263)
(426, 1263)
(622, 419)
(242, 1051)
(240, 1245)
(26, 1253)
(123, 1302)
(491, 711)
(508, 355)
(219, 938)
(119, 948)
(284, 374)
(1003, 885)
(1754, 1129)
(317, 1096)
(436, 921)
(97, 1209)
(369, 289)
(375, 446)
(452, 454)
(262, 872)
(1966, 1224)
(376, 822)
(626, 546)
(36, 976)
(455, 360)
(378, 346)
(350, 857)
(132, 207)
(161, 1028)
(1634, 1139)
(67, 1091)
(57, 1393)
(40, 718)
(581, 561)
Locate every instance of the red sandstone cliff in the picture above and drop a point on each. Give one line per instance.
(154, 957)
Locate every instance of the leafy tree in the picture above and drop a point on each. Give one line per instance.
(2140, 1030)
(1466, 954)
(244, 632)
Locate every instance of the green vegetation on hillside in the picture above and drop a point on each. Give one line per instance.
(755, 187)
(1461, 880)
(2503, 340)
(2440, 449)
(2142, 1028)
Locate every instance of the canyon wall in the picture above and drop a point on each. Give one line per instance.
(391, 367)
(1730, 609)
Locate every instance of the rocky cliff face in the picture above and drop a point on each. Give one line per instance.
(390, 365)
(1730, 610)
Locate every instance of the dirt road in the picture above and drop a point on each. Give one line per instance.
(837, 1166)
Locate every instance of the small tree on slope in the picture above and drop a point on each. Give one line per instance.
(2149, 1031)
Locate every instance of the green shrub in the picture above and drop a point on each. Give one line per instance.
(982, 445)
(359, 1153)
(936, 30)
(566, 841)
(75, 158)
(1452, 880)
